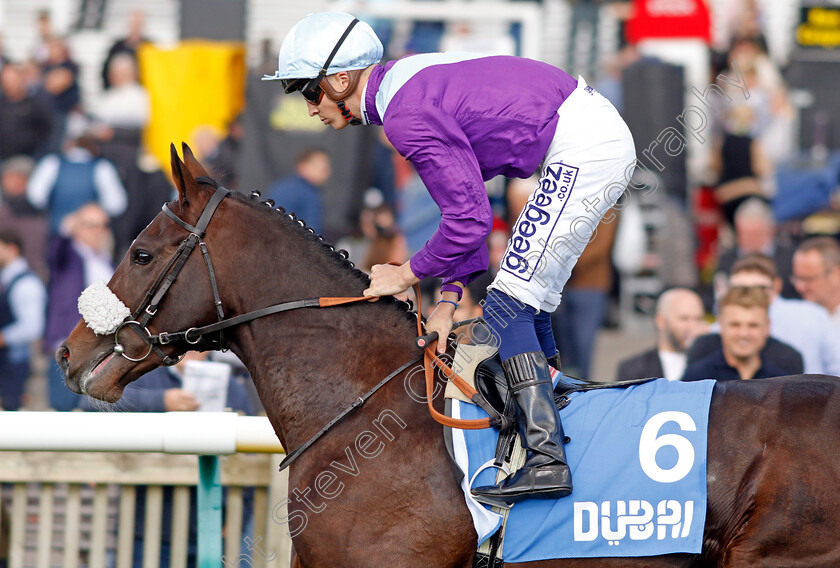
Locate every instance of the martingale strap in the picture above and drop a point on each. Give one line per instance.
(293, 455)
(430, 360)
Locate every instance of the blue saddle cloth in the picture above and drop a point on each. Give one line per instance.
(638, 461)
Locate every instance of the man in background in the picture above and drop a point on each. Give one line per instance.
(744, 330)
(18, 214)
(816, 274)
(62, 183)
(300, 193)
(580, 315)
(26, 121)
(803, 325)
(125, 45)
(755, 233)
(679, 320)
(22, 301)
(79, 256)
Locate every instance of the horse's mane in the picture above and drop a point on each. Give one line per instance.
(338, 257)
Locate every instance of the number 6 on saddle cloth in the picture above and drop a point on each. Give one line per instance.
(639, 449)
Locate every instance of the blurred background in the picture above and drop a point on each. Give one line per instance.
(728, 101)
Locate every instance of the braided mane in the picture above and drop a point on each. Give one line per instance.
(339, 256)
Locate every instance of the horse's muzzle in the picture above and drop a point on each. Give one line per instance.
(62, 358)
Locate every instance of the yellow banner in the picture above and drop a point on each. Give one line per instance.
(819, 27)
(195, 86)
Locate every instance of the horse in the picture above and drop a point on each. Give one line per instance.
(378, 488)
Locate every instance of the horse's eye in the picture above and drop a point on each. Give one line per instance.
(141, 257)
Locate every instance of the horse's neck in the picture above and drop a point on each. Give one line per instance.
(308, 364)
(312, 366)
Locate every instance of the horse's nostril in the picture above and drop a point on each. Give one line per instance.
(62, 357)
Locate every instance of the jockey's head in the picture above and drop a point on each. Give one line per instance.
(327, 53)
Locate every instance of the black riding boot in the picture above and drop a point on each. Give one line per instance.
(545, 473)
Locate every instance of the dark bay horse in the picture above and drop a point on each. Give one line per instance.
(378, 489)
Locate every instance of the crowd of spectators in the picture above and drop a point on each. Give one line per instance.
(749, 276)
(77, 186)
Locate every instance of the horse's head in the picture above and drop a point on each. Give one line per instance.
(119, 337)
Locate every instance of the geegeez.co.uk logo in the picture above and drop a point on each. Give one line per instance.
(537, 220)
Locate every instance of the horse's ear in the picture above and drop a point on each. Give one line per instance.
(193, 165)
(177, 172)
(181, 175)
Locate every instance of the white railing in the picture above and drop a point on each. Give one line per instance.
(200, 433)
(87, 467)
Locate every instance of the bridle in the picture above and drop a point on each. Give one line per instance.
(139, 320)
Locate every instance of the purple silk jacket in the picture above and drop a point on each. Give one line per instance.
(462, 119)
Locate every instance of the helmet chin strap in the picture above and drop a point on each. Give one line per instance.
(340, 97)
(348, 116)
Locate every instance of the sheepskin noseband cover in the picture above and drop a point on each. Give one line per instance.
(102, 311)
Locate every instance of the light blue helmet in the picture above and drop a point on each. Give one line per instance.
(308, 46)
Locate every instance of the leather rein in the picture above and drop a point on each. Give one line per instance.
(139, 320)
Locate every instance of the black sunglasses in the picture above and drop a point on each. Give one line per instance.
(311, 88)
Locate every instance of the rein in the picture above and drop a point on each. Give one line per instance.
(430, 360)
(149, 306)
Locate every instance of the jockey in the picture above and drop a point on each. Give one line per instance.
(462, 119)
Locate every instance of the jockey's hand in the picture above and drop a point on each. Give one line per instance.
(388, 280)
(441, 320)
